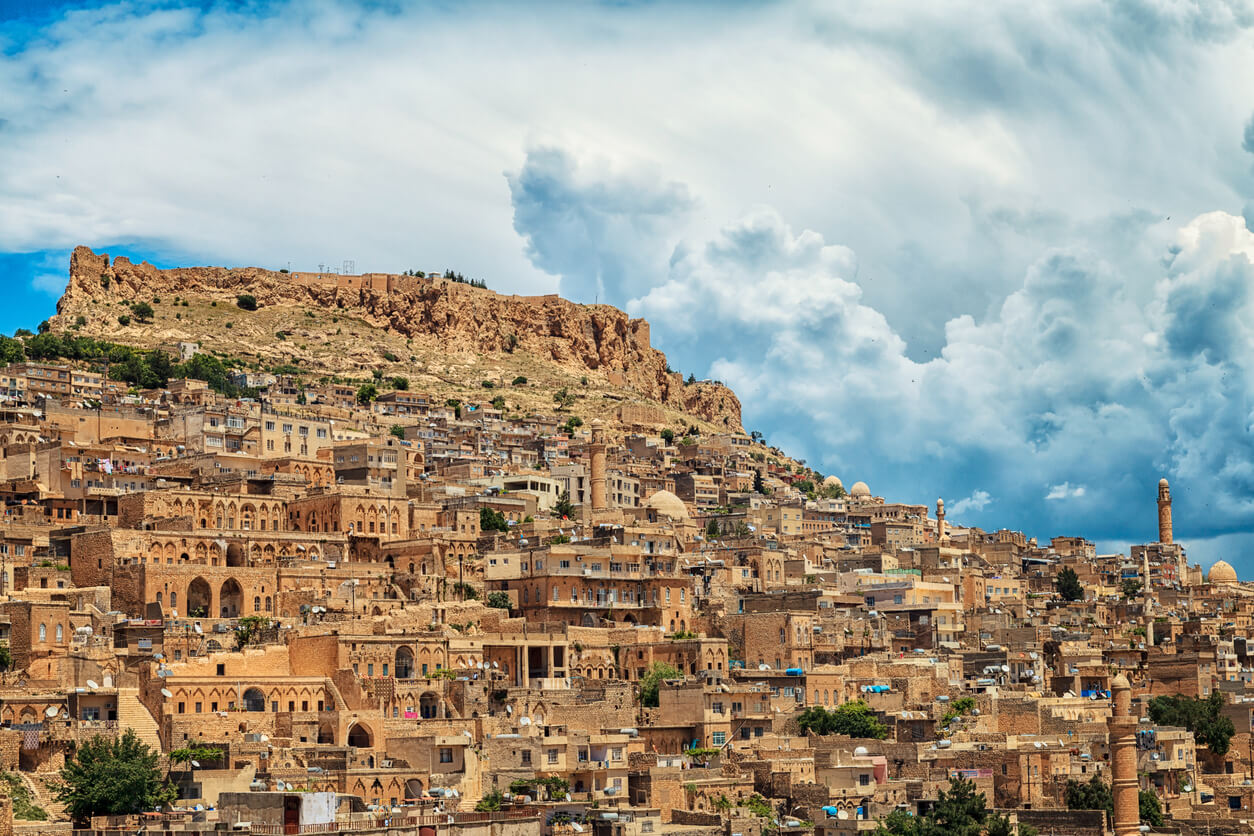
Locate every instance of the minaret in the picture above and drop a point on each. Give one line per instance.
(941, 535)
(1122, 741)
(1164, 512)
(597, 451)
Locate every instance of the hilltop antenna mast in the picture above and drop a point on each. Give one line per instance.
(350, 266)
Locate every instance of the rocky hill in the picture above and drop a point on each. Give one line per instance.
(446, 336)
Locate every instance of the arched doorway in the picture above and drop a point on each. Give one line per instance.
(231, 598)
(429, 705)
(199, 598)
(254, 700)
(404, 663)
(359, 736)
(234, 555)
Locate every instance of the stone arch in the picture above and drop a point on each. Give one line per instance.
(231, 598)
(234, 555)
(359, 736)
(199, 598)
(429, 705)
(254, 700)
(404, 663)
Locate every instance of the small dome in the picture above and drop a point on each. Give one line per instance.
(860, 752)
(1162, 483)
(666, 503)
(1222, 572)
(832, 482)
(859, 489)
(1120, 683)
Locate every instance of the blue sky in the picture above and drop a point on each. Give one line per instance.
(996, 253)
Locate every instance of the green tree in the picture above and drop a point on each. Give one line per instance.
(401, 383)
(854, 719)
(563, 398)
(1068, 584)
(246, 301)
(491, 802)
(6, 658)
(11, 350)
(1091, 795)
(113, 777)
(498, 402)
(1131, 588)
(804, 485)
(196, 753)
(668, 435)
(366, 393)
(959, 811)
(758, 485)
(653, 677)
(124, 320)
(711, 529)
(142, 311)
(397, 430)
(519, 381)
(499, 600)
(492, 520)
(1202, 717)
(572, 423)
(564, 507)
(1151, 809)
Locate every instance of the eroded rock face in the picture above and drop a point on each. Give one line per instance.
(593, 338)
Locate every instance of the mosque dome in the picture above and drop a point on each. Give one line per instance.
(1222, 572)
(665, 502)
(860, 489)
(1162, 483)
(832, 482)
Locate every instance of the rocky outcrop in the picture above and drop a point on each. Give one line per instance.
(595, 338)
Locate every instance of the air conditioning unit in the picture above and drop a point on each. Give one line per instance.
(386, 764)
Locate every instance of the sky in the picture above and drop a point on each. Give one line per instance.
(995, 253)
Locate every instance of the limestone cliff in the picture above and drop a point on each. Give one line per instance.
(451, 319)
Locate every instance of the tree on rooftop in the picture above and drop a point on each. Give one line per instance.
(1202, 717)
(563, 507)
(1091, 795)
(492, 520)
(397, 430)
(1131, 588)
(854, 719)
(1068, 584)
(653, 677)
(711, 530)
(113, 777)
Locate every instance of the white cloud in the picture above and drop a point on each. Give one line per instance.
(1065, 491)
(977, 501)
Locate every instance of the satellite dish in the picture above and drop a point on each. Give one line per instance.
(265, 738)
(196, 764)
(91, 683)
(842, 814)
(198, 628)
(51, 711)
(509, 709)
(167, 693)
(495, 665)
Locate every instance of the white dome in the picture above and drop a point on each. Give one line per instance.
(665, 502)
(1222, 572)
(859, 489)
(832, 482)
(860, 752)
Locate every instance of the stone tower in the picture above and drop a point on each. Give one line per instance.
(941, 534)
(597, 453)
(1164, 512)
(1123, 785)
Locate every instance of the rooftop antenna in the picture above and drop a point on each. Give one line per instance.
(350, 267)
(321, 267)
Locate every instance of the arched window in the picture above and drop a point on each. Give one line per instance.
(43, 632)
(60, 632)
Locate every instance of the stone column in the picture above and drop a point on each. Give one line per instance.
(1122, 741)
(1164, 512)
(941, 534)
(597, 454)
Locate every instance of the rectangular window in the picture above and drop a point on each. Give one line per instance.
(718, 738)
(446, 755)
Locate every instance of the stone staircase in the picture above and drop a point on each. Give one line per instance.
(42, 795)
(133, 714)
